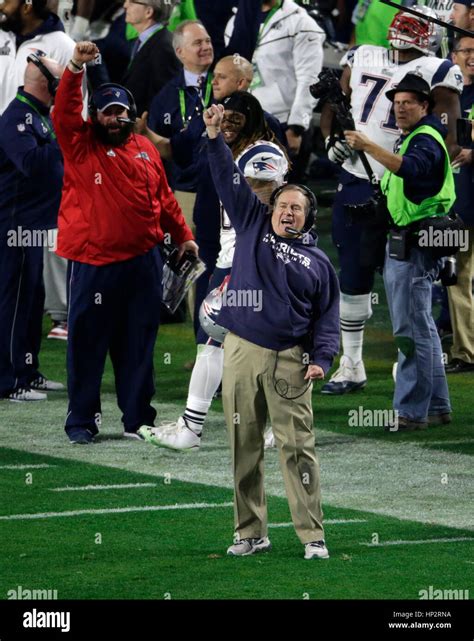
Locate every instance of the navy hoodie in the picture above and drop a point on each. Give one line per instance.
(299, 302)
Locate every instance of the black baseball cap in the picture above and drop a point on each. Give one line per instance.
(413, 83)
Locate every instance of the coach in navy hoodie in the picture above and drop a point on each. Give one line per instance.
(282, 310)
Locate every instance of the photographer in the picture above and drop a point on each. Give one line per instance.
(418, 184)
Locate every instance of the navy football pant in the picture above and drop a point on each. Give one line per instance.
(354, 279)
(21, 313)
(113, 308)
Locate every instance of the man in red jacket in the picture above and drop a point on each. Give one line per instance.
(116, 208)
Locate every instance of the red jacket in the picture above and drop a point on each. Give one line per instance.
(116, 201)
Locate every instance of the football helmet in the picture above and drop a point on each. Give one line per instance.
(209, 311)
(411, 32)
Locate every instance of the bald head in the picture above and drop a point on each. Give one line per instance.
(36, 82)
(232, 73)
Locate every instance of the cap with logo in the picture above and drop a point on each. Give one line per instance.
(108, 96)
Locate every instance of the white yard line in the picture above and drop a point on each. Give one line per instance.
(326, 522)
(389, 477)
(419, 542)
(116, 486)
(114, 510)
(37, 466)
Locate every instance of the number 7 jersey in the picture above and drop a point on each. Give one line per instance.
(373, 73)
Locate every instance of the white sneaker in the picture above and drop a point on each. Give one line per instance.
(175, 435)
(43, 383)
(245, 547)
(269, 439)
(347, 378)
(316, 550)
(25, 394)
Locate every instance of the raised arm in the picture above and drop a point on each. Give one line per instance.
(240, 203)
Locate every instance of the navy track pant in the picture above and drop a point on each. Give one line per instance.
(21, 313)
(113, 309)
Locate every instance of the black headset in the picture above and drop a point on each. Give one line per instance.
(53, 81)
(313, 203)
(133, 113)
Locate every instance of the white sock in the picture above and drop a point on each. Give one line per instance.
(205, 381)
(354, 310)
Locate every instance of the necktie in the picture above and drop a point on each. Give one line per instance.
(200, 85)
(135, 48)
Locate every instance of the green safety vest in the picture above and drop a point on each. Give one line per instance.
(404, 211)
(373, 21)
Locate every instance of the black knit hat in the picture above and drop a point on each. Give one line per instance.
(412, 83)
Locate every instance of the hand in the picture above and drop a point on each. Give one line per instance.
(356, 140)
(213, 117)
(463, 158)
(85, 52)
(314, 373)
(338, 149)
(188, 246)
(294, 142)
(141, 124)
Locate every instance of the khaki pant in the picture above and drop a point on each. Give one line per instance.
(248, 394)
(186, 201)
(461, 307)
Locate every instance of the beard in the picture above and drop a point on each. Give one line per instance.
(115, 139)
(11, 23)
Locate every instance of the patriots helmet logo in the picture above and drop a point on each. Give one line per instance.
(263, 164)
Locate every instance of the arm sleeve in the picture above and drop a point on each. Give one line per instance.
(240, 203)
(326, 326)
(25, 152)
(69, 125)
(421, 158)
(307, 63)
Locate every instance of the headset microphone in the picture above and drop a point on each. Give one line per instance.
(294, 232)
(127, 121)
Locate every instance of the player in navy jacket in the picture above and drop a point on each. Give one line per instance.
(275, 349)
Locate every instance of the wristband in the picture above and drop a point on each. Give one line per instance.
(79, 68)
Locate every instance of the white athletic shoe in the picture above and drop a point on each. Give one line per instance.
(269, 439)
(316, 550)
(175, 435)
(42, 383)
(21, 395)
(347, 378)
(245, 547)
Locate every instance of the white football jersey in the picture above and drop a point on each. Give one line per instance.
(372, 75)
(227, 240)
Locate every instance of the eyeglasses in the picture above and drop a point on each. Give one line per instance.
(466, 52)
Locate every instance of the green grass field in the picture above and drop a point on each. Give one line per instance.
(398, 507)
